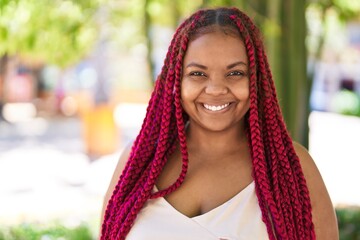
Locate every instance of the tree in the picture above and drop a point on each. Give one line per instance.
(45, 31)
(59, 32)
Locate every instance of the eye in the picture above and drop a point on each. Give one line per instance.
(236, 73)
(197, 74)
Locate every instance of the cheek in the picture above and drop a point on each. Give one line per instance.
(242, 91)
(247, 97)
(247, 94)
(183, 95)
(187, 92)
(247, 105)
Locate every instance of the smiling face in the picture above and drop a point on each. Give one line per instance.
(215, 82)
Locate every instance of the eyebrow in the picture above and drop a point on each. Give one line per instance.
(192, 64)
(236, 64)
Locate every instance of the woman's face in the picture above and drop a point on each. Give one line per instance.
(215, 82)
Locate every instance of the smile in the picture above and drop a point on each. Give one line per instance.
(215, 108)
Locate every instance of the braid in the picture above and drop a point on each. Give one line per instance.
(163, 124)
(288, 201)
(280, 185)
(260, 164)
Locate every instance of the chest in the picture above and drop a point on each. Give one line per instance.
(237, 219)
(207, 185)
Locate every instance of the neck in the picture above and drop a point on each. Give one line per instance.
(215, 142)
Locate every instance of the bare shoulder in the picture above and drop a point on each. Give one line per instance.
(323, 212)
(115, 177)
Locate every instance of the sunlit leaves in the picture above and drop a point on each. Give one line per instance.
(59, 32)
(345, 9)
(63, 31)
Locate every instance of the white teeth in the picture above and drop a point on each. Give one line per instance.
(216, 108)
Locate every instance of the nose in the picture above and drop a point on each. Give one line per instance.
(216, 87)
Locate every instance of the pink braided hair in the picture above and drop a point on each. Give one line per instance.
(280, 184)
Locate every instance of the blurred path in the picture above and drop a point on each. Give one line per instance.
(335, 147)
(44, 173)
(62, 133)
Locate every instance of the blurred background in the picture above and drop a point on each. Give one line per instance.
(76, 75)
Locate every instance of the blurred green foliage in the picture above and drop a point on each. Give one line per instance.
(346, 9)
(349, 223)
(54, 31)
(347, 103)
(30, 231)
(70, 28)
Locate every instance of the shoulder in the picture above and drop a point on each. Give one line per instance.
(116, 175)
(124, 156)
(323, 213)
(307, 163)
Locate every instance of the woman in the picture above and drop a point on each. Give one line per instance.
(213, 159)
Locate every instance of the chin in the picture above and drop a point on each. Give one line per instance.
(217, 128)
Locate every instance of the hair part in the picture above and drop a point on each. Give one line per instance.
(215, 21)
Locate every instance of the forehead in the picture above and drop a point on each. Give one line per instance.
(216, 46)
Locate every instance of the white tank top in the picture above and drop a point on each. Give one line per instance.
(237, 219)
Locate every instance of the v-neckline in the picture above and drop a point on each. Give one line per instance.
(243, 191)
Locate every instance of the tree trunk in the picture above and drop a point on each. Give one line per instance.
(175, 13)
(290, 69)
(149, 42)
(3, 71)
